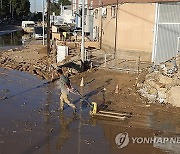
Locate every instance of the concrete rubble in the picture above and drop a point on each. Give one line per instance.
(161, 85)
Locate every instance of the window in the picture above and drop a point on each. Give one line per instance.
(104, 12)
(113, 11)
(85, 11)
(96, 13)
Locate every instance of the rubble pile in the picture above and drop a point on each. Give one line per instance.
(39, 64)
(161, 85)
(40, 68)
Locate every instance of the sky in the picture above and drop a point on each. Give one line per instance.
(37, 6)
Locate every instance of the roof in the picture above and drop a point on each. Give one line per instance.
(97, 3)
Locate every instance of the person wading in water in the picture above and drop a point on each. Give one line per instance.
(65, 86)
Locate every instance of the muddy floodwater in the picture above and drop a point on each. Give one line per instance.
(11, 39)
(30, 122)
(16, 40)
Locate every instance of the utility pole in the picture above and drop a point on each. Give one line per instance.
(101, 37)
(48, 27)
(82, 43)
(43, 19)
(61, 9)
(35, 6)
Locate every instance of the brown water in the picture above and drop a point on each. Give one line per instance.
(11, 39)
(30, 122)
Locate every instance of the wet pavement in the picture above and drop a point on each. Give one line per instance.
(30, 122)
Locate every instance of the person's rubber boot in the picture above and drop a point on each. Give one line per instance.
(74, 110)
(61, 110)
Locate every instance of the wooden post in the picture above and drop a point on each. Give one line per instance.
(105, 60)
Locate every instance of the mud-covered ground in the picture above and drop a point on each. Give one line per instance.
(30, 121)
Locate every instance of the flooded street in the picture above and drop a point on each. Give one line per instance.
(16, 40)
(30, 122)
(11, 39)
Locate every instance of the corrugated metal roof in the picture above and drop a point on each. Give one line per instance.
(97, 3)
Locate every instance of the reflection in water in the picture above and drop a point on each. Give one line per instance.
(80, 123)
(167, 146)
(163, 122)
(64, 130)
(47, 119)
(11, 39)
(113, 128)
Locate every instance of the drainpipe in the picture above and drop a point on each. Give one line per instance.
(83, 36)
(101, 27)
(116, 28)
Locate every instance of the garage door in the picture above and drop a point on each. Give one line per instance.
(167, 32)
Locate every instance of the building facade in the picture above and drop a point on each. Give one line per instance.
(131, 29)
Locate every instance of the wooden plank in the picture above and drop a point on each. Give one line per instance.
(114, 113)
(110, 116)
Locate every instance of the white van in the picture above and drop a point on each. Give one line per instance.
(28, 26)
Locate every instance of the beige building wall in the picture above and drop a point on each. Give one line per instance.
(135, 27)
(108, 28)
(96, 24)
(134, 31)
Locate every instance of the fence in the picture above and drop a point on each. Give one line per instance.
(107, 60)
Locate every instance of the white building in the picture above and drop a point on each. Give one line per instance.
(77, 11)
(65, 17)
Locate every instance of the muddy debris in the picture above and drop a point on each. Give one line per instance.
(35, 62)
(161, 85)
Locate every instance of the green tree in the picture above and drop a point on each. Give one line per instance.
(56, 5)
(20, 8)
(15, 8)
(4, 9)
(64, 2)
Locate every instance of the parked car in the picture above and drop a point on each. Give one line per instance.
(77, 31)
(38, 32)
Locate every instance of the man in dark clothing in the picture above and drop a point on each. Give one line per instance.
(65, 85)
